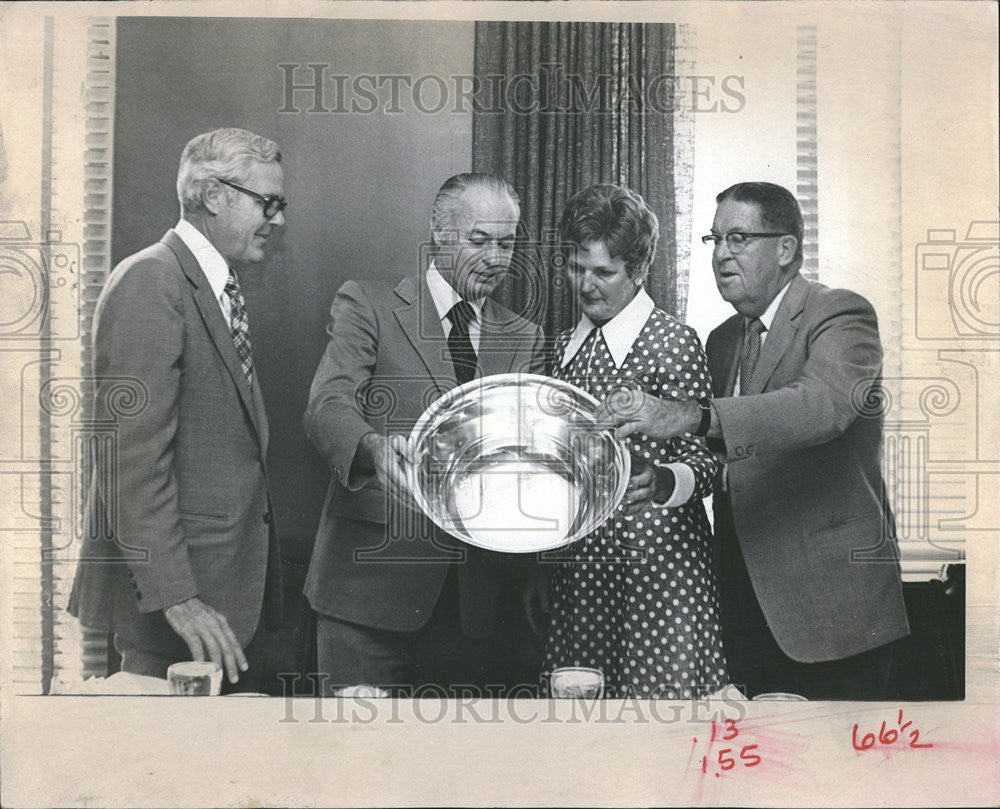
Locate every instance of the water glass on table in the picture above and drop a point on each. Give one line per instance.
(576, 682)
(195, 678)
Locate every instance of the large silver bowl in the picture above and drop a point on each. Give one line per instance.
(516, 463)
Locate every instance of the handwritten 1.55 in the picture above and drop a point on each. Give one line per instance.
(887, 737)
(726, 756)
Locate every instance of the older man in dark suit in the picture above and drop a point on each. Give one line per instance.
(187, 566)
(810, 582)
(399, 602)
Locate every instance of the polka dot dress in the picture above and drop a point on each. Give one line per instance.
(637, 598)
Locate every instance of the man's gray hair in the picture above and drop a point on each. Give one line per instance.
(225, 153)
(446, 203)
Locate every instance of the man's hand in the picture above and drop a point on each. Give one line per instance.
(635, 411)
(389, 456)
(207, 634)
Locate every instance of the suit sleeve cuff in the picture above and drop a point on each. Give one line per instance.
(362, 468)
(163, 583)
(684, 483)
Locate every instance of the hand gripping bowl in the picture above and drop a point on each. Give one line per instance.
(516, 463)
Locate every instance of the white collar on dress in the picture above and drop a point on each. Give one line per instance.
(620, 333)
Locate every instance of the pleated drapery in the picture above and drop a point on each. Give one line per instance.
(563, 106)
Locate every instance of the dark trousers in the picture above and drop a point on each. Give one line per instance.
(757, 665)
(136, 660)
(436, 659)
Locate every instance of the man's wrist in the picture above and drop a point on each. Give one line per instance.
(703, 416)
(715, 426)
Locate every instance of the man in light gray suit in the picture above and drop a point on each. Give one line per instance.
(805, 539)
(185, 563)
(401, 604)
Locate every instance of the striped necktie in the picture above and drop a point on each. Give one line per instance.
(751, 353)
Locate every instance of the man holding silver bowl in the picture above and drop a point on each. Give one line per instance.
(401, 603)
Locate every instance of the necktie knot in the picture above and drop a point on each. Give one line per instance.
(461, 315)
(756, 327)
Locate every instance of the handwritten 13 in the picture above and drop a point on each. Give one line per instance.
(726, 756)
(887, 737)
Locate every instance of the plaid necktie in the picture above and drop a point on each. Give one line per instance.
(751, 353)
(463, 356)
(239, 327)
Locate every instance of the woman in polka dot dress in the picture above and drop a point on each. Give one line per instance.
(637, 598)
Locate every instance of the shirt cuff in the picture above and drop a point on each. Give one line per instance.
(683, 485)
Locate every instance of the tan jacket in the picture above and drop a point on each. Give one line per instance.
(387, 360)
(183, 510)
(804, 474)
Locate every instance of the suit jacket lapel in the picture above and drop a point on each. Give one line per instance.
(496, 355)
(419, 321)
(215, 323)
(780, 335)
(725, 357)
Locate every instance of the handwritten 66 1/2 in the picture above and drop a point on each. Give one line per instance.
(887, 737)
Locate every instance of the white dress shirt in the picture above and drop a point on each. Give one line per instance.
(211, 262)
(445, 297)
(620, 334)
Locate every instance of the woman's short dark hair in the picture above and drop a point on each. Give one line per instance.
(779, 210)
(617, 216)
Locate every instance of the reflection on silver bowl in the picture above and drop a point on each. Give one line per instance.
(515, 463)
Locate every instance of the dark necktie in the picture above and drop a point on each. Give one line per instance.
(239, 326)
(751, 353)
(459, 344)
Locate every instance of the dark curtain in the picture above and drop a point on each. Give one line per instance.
(561, 106)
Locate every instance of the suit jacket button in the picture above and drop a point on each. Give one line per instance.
(138, 595)
(267, 518)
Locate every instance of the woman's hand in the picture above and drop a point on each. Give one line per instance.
(648, 484)
(641, 487)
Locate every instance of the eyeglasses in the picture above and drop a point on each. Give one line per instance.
(737, 240)
(272, 205)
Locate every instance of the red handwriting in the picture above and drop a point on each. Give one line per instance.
(731, 757)
(888, 736)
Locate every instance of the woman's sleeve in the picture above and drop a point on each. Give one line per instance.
(694, 466)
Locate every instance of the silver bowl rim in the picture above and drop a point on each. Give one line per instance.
(452, 395)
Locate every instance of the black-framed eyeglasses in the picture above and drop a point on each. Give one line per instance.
(738, 239)
(272, 205)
